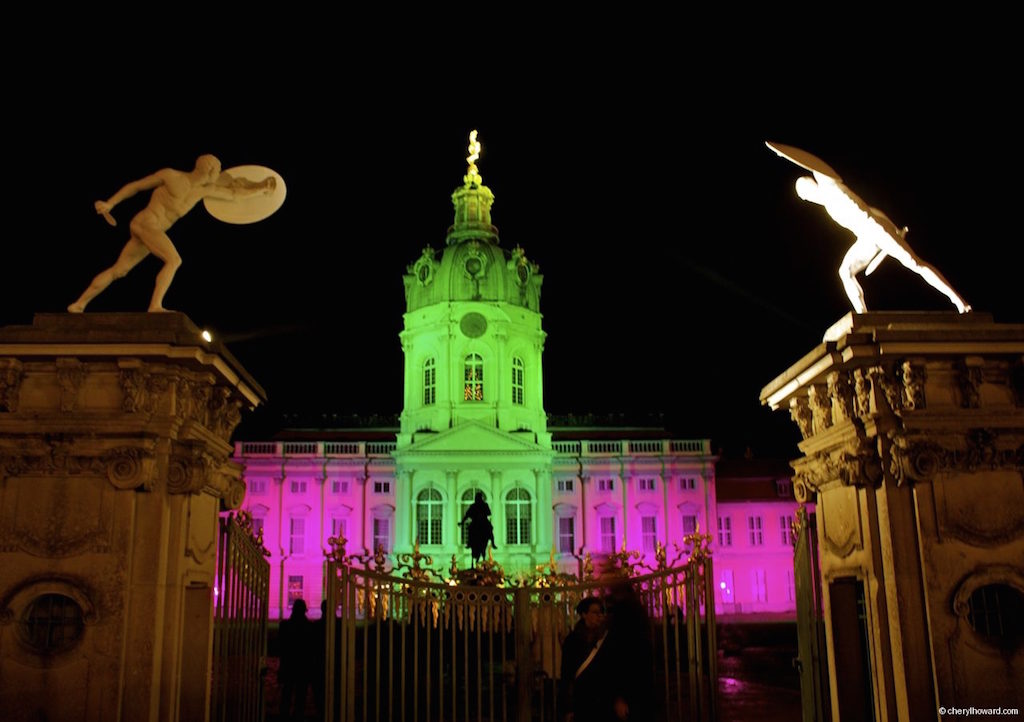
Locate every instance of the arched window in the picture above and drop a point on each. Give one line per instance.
(429, 382)
(429, 515)
(474, 386)
(517, 517)
(517, 380)
(467, 499)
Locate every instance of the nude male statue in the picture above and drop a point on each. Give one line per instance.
(877, 236)
(175, 193)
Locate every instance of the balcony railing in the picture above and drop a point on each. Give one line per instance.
(326, 449)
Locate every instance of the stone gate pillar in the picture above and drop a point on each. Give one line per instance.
(114, 464)
(913, 450)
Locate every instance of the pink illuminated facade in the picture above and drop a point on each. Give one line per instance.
(608, 486)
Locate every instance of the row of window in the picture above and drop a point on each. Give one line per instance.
(430, 515)
(258, 487)
(473, 380)
(687, 483)
(755, 530)
(518, 522)
(339, 528)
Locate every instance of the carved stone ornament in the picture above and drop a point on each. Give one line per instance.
(855, 465)
(521, 267)
(801, 413)
(841, 392)
(70, 374)
(862, 393)
(423, 269)
(821, 407)
(474, 262)
(882, 380)
(134, 387)
(913, 385)
(225, 411)
(969, 380)
(187, 469)
(920, 460)
(11, 373)
(129, 468)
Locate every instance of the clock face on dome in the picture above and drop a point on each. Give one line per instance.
(473, 325)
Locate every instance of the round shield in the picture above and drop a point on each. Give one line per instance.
(804, 159)
(251, 208)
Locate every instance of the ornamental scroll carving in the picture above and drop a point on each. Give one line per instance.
(70, 374)
(11, 373)
(129, 468)
(856, 466)
(125, 467)
(917, 459)
(188, 469)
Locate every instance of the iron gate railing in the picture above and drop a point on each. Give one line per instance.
(241, 593)
(423, 648)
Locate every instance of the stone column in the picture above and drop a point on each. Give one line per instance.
(545, 515)
(403, 511)
(913, 448)
(114, 465)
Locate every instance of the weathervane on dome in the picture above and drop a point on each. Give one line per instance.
(472, 177)
(877, 236)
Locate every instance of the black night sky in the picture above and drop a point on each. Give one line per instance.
(681, 272)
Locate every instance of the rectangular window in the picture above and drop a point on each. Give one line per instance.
(339, 487)
(298, 487)
(786, 530)
(564, 485)
(382, 533)
(257, 525)
(605, 484)
(724, 531)
(688, 483)
(517, 381)
(294, 589)
(646, 484)
(755, 527)
(784, 488)
(689, 524)
(381, 487)
(608, 534)
(790, 586)
(566, 535)
(297, 536)
(429, 383)
(759, 585)
(473, 388)
(339, 527)
(256, 486)
(648, 533)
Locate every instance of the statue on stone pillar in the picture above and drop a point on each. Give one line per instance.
(877, 236)
(175, 193)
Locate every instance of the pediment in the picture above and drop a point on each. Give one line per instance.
(470, 437)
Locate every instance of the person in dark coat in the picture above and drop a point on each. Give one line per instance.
(297, 663)
(629, 642)
(589, 674)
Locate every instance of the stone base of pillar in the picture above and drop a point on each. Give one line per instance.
(913, 450)
(114, 465)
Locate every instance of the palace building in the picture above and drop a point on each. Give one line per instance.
(474, 421)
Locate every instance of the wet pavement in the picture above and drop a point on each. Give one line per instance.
(756, 678)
